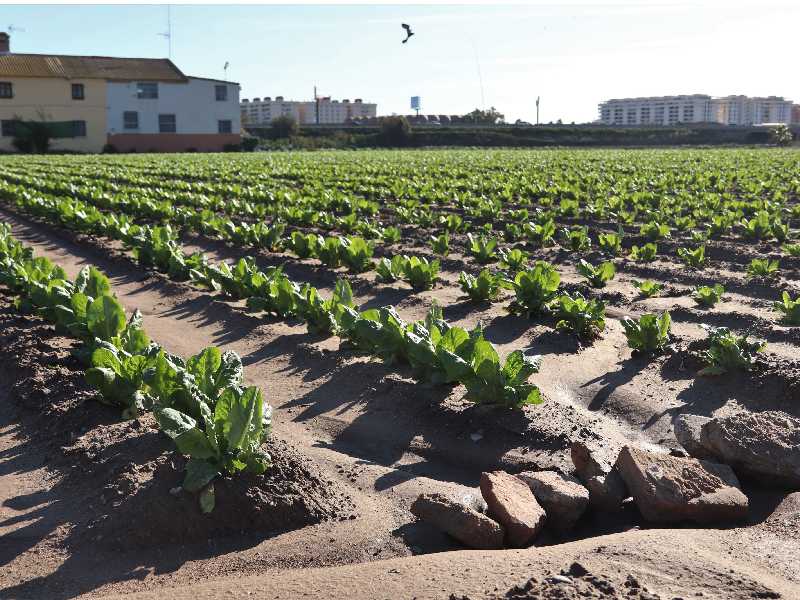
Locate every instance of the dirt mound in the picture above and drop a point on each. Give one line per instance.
(127, 472)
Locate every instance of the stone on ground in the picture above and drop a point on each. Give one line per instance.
(687, 432)
(563, 497)
(765, 445)
(595, 468)
(468, 526)
(512, 504)
(671, 489)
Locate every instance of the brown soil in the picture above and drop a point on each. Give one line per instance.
(86, 503)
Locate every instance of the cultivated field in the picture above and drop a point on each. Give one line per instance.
(244, 369)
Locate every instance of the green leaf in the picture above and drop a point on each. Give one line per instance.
(241, 415)
(199, 473)
(207, 499)
(174, 422)
(106, 318)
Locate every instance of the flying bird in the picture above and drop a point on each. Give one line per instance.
(409, 33)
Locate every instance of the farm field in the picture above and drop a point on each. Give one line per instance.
(235, 373)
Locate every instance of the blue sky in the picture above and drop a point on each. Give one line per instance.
(572, 55)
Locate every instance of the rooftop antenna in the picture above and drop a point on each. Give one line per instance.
(225, 70)
(480, 76)
(168, 33)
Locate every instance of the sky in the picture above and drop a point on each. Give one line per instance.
(462, 57)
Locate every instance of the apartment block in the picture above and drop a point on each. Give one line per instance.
(324, 110)
(695, 108)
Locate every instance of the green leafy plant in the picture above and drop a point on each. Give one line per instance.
(356, 254)
(391, 235)
(648, 288)
(654, 231)
(694, 258)
(646, 253)
(584, 317)
(762, 268)
(482, 249)
(330, 252)
(541, 233)
(791, 249)
(441, 244)
(534, 289)
(648, 334)
(728, 351)
(610, 243)
(597, 276)
(485, 287)
(513, 260)
(506, 385)
(389, 271)
(708, 296)
(420, 272)
(576, 239)
(789, 308)
(227, 440)
(325, 316)
(305, 245)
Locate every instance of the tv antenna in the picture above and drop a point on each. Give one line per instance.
(480, 75)
(168, 33)
(225, 70)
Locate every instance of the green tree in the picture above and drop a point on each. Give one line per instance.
(486, 117)
(780, 135)
(284, 126)
(395, 131)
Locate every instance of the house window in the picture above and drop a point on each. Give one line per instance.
(224, 126)
(146, 90)
(6, 89)
(221, 92)
(78, 91)
(7, 128)
(166, 124)
(79, 129)
(130, 119)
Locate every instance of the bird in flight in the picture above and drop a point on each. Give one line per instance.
(409, 33)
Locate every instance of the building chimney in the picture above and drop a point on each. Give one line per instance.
(5, 43)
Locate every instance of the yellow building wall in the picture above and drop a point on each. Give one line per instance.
(52, 97)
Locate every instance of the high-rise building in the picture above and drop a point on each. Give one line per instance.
(695, 108)
(324, 110)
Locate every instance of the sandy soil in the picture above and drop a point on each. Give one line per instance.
(369, 440)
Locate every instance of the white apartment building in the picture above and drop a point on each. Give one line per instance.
(261, 111)
(660, 110)
(695, 108)
(743, 110)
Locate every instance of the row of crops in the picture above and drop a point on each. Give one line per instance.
(508, 223)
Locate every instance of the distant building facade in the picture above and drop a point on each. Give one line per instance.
(695, 108)
(796, 114)
(325, 111)
(140, 104)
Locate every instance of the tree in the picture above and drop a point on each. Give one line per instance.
(395, 131)
(31, 136)
(780, 135)
(284, 127)
(485, 117)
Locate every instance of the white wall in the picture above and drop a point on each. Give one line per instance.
(193, 103)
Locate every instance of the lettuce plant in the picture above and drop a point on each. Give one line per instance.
(708, 296)
(305, 245)
(610, 243)
(389, 271)
(693, 258)
(482, 249)
(541, 233)
(485, 287)
(391, 235)
(646, 253)
(789, 308)
(654, 231)
(763, 268)
(513, 260)
(506, 384)
(648, 288)
(330, 252)
(226, 440)
(729, 352)
(584, 317)
(597, 276)
(441, 244)
(791, 249)
(357, 254)
(534, 289)
(420, 272)
(576, 239)
(648, 334)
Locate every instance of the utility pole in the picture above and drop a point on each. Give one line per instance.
(537, 110)
(168, 33)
